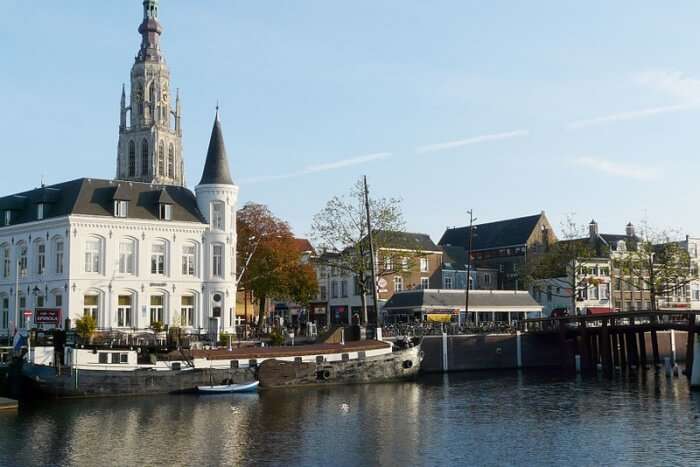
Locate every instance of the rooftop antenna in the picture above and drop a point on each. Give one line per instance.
(42, 181)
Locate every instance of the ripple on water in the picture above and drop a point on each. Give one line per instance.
(491, 418)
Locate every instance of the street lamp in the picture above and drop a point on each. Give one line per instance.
(469, 265)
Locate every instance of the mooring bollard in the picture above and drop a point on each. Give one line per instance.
(577, 359)
(444, 352)
(695, 369)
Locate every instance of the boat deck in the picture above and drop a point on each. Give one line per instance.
(242, 353)
(8, 404)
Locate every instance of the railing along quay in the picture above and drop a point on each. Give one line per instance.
(616, 339)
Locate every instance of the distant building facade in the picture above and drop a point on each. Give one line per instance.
(504, 246)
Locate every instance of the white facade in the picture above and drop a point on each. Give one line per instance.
(127, 273)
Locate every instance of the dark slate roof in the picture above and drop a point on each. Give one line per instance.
(509, 232)
(216, 171)
(404, 240)
(96, 198)
(455, 299)
(122, 192)
(164, 197)
(602, 244)
(454, 257)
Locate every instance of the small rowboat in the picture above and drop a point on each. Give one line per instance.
(223, 388)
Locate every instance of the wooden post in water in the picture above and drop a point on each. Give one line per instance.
(615, 348)
(642, 350)
(623, 349)
(632, 354)
(605, 349)
(655, 348)
(563, 348)
(595, 350)
(585, 347)
(690, 347)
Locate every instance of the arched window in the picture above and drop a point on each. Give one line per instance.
(144, 158)
(125, 307)
(39, 257)
(132, 159)
(22, 252)
(187, 311)
(139, 100)
(91, 306)
(93, 255)
(171, 161)
(127, 256)
(159, 253)
(4, 311)
(6, 260)
(152, 92)
(161, 159)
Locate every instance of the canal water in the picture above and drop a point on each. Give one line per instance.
(488, 418)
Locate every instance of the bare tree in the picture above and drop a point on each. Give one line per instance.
(562, 261)
(340, 229)
(657, 263)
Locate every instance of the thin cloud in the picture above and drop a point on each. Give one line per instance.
(316, 168)
(672, 83)
(633, 115)
(616, 169)
(474, 140)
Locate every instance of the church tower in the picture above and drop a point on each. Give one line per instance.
(150, 135)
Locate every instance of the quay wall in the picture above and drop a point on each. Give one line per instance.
(511, 351)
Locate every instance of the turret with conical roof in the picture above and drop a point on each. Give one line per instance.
(217, 199)
(216, 170)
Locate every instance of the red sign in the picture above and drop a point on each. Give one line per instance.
(27, 313)
(48, 316)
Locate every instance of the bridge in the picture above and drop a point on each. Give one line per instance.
(617, 339)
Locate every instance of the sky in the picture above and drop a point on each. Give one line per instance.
(588, 109)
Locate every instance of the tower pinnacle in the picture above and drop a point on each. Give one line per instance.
(150, 135)
(150, 30)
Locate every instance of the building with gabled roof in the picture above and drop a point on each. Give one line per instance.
(135, 251)
(503, 245)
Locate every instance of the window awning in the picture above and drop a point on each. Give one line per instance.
(599, 310)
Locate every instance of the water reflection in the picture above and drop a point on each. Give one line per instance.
(490, 418)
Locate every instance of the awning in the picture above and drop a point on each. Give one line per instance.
(598, 310)
(439, 317)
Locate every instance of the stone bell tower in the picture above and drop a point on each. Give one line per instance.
(150, 135)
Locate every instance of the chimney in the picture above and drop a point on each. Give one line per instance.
(629, 230)
(593, 229)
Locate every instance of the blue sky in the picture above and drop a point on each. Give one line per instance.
(508, 108)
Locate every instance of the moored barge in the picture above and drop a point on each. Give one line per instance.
(122, 372)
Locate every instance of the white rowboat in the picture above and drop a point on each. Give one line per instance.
(222, 388)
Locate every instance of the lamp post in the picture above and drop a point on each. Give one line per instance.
(469, 265)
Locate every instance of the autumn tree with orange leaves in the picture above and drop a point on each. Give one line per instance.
(270, 265)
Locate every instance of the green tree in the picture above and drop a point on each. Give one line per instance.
(270, 266)
(340, 228)
(85, 327)
(657, 264)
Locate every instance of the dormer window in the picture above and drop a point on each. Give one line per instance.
(40, 211)
(166, 212)
(121, 208)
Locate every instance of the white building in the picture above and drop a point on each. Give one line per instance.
(133, 251)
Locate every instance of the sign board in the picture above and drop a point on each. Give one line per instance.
(48, 316)
(27, 313)
(71, 338)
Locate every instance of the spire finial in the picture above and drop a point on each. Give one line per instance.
(217, 110)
